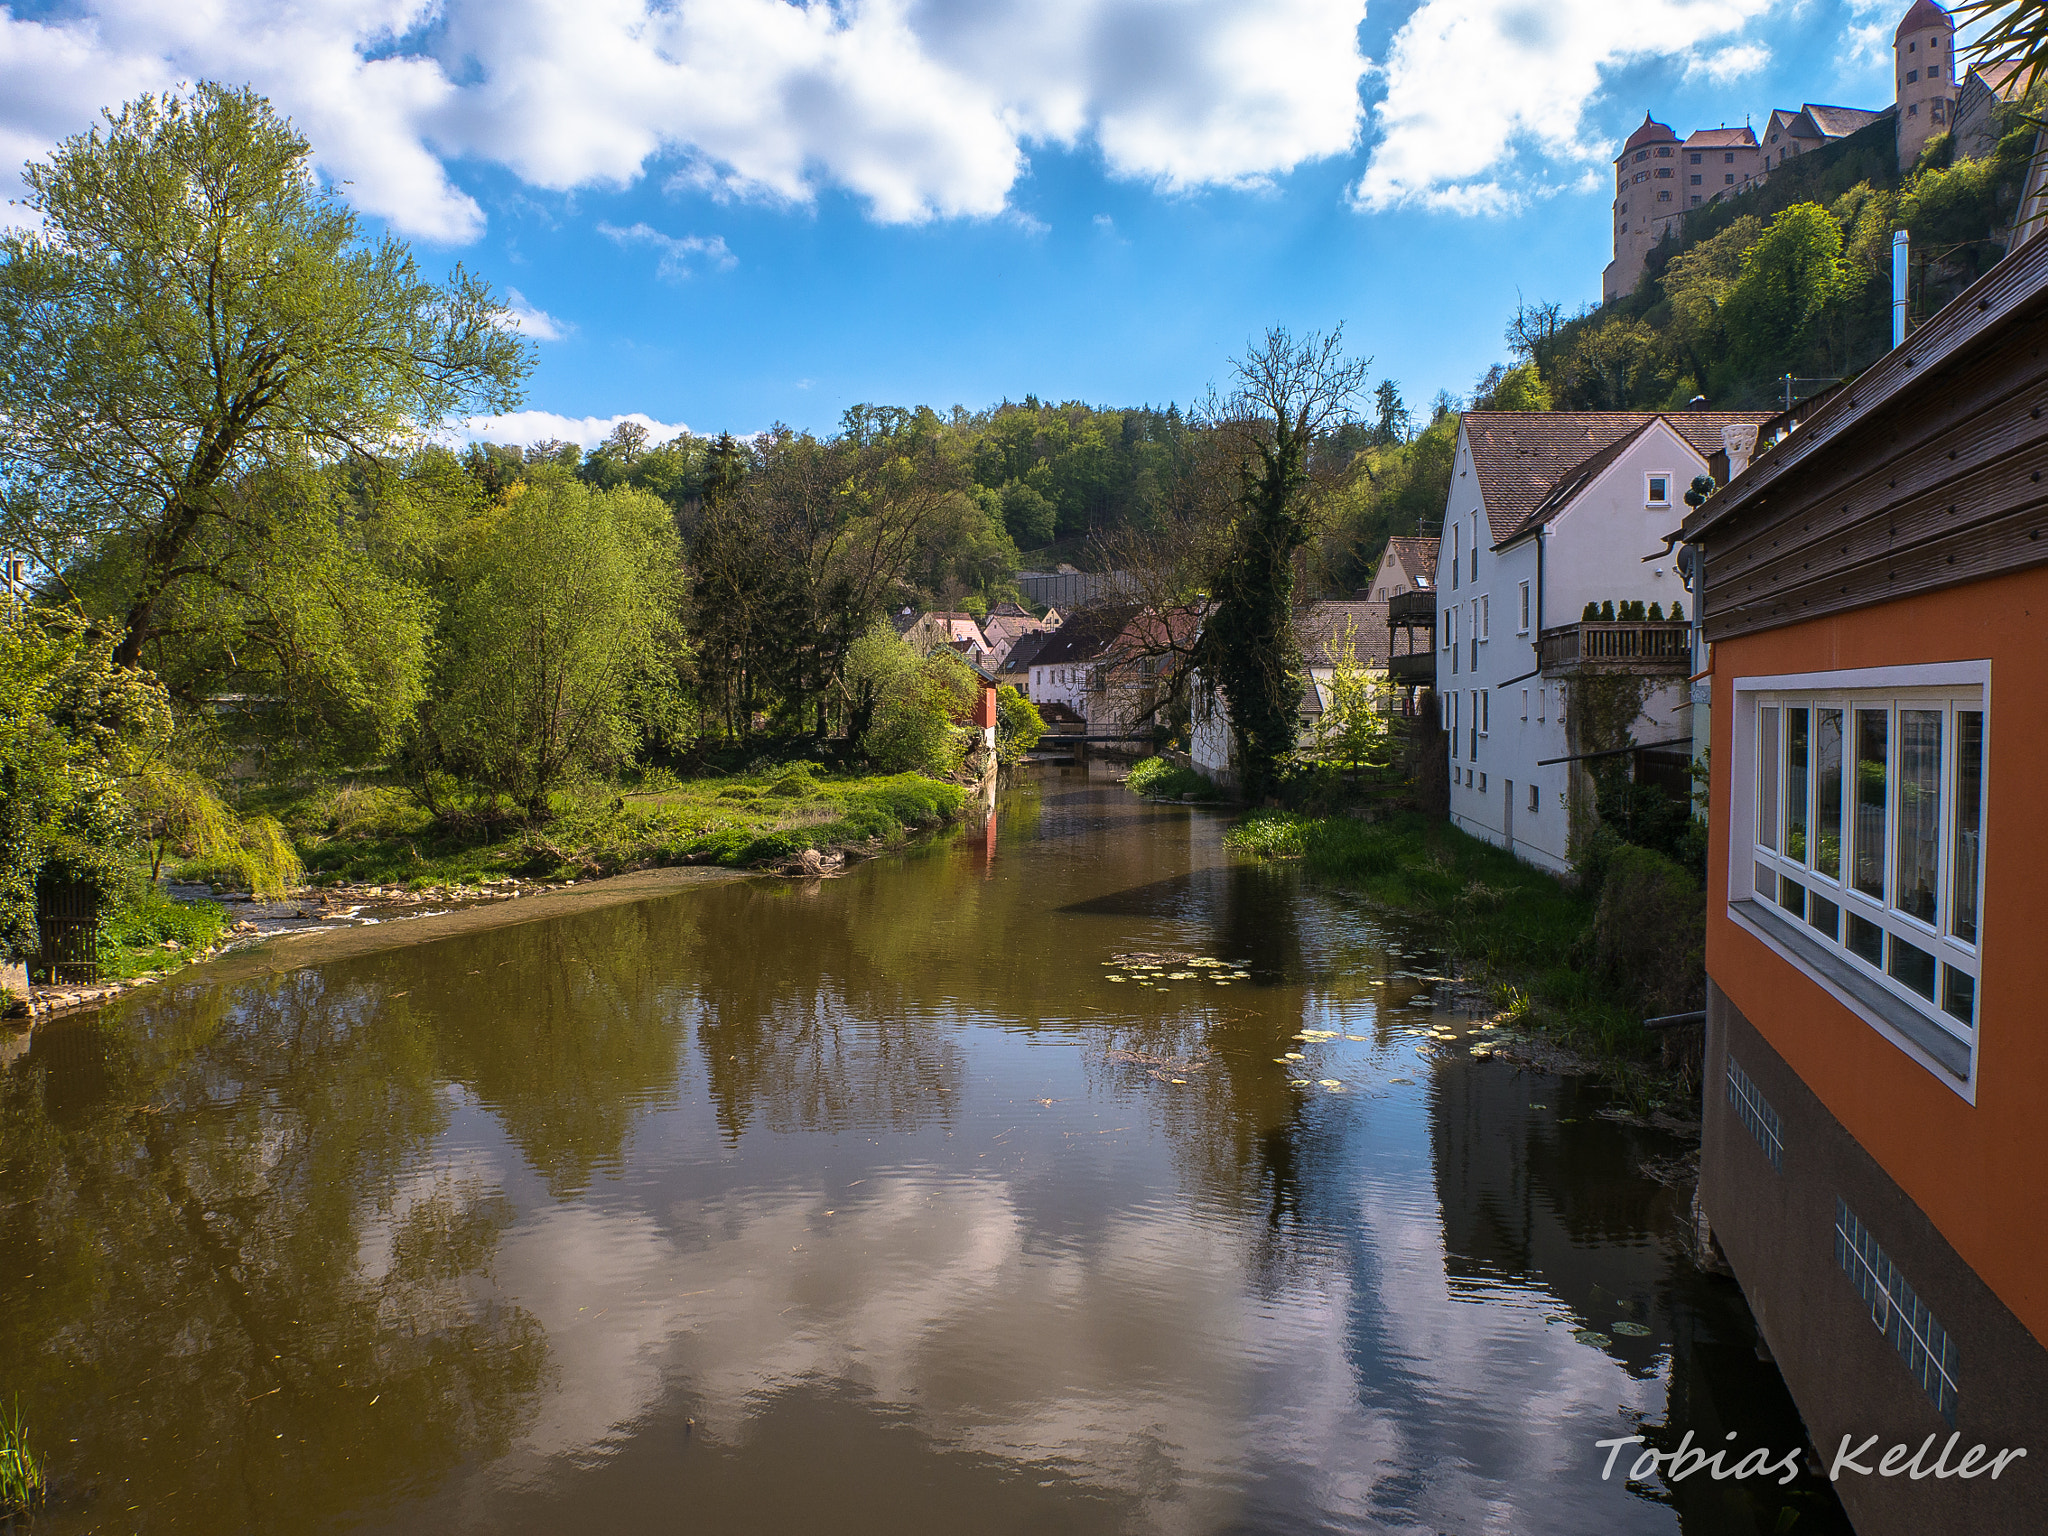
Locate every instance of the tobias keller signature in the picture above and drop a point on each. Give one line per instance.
(1688, 1459)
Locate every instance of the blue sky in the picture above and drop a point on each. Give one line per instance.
(726, 214)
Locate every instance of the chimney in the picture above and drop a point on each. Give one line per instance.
(1900, 248)
(1739, 443)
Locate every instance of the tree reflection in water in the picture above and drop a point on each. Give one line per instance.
(218, 1273)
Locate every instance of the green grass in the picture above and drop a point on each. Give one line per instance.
(1156, 776)
(379, 833)
(23, 1480)
(1516, 927)
(132, 938)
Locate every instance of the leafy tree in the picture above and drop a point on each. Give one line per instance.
(176, 808)
(1791, 280)
(1391, 421)
(1287, 393)
(192, 311)
(1697, 282)
(920, 720)
(557, 602)
(1511, 389)
(1018, 725)
(1620, 365)
(74, 726)
(1353, 729)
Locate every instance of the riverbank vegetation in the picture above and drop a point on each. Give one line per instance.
(1586, 961)
(273, 629)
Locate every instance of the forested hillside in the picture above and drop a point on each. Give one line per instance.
(1793, 278)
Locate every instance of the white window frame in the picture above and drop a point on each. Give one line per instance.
(1486, 616)
(1457, 544)
(1485, 696)
(1525, 703)
(1524, 629)
(1650, 479)
(1889, 1006)
(1475, 546)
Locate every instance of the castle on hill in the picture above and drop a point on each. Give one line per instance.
(1659, 177)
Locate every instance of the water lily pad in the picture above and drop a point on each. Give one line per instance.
(1402, 1082)
(1293, 1056)
(1297, 1082)
(1182, 976)
(1330, 1082)
(1590, 1336)
(1633, 1330)
(1358, 1037)
(1222, 983)
(1112, 978)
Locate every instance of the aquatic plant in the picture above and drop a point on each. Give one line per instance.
(23, 1480)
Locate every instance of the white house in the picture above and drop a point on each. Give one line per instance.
(1549, 511)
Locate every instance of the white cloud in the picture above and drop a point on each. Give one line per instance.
(1476, 88)
(677, 252)
(524, 427)
(1736, 62)
(529, 321)
(920, 108)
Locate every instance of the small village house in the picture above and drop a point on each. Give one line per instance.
(1548, 512)
(1875, 592)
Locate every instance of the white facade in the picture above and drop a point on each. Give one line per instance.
(1066, 683)
(1505, 719)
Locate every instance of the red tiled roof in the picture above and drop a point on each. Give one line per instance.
(1320, 628)
(1084, 637)
(1838, 122)
(1521, 457)
(1418, 556)
(1722, 138)
(1924, 16)
(1652, 132)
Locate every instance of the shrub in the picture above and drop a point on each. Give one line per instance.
(1650, 932)
(1157, 777)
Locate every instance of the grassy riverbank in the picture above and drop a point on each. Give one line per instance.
(1556, 956)
(380, 834)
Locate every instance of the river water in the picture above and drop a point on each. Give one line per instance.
(863, 1205)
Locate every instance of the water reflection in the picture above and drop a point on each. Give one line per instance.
(855, 1204)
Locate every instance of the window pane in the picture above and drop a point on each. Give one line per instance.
(1866, 940)
(1969, 827)
(1913, 966)
(1766, 881)
(1823, 914)
(1872, 732)
(1795, 784)
(1959, 994)
(1767, 779)
(1919, 823)
(1792, 896)
(1827, 792)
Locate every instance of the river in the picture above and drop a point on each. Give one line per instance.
(870, 1204)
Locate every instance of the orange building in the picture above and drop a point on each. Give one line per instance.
(1875, 1162)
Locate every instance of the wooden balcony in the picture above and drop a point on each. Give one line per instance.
(1412, 610)
(1414, 670)
(1632, 647)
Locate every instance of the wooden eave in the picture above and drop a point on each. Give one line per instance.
(1924, 472)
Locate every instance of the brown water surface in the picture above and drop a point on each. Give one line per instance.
(867, 1205)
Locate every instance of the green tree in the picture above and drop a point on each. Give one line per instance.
(193, 310)
(1353, 728)
(1697, 282)
(1287, 394)
(920, 720)
(74, 726)
(1018, 725)
(1792, 278)
(557, 602)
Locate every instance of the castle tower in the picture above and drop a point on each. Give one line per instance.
(1925, 76)
(1647, 196)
